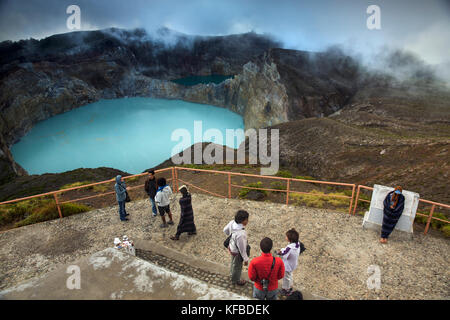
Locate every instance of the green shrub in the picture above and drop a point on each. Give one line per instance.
(318, 200)
(435, 224)
(284, 174)
(49, 211)
(278, 186)
(446, 230)
(75, 184)
(305, 178)
(244, 191)
(36, 210)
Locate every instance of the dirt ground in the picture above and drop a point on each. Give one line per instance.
(335, 264)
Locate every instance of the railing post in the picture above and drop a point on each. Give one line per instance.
(356, 200)
(176, 179)
(429, 219)
(57, 205)
(173, 179)
(351, 200)
(288, 189)
(229, 185)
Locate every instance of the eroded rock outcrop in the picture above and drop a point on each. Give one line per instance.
(40, 79)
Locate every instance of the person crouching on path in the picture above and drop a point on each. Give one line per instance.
(394, 203)
(162, 200)
(151, 188)
(187, 215)
(121, 195)
(266, 268)
(290, 258)
(238, 245)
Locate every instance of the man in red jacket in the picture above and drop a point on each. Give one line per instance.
(266, 267)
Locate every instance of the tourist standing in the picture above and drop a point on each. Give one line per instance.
(238, 246)
(151, 188)
(394, 203)
(265, 271)
(187, 215)
(162, 200)
(121, 195)
(289, 255)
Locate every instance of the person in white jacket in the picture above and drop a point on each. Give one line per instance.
(162, 200)
(290, 258)
(238, 245)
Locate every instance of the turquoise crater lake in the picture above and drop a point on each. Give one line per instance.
(130, 134)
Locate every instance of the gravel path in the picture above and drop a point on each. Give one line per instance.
(334, 265)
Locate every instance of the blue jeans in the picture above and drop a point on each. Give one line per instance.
(261, 295)
(152, 201)
(122, 211)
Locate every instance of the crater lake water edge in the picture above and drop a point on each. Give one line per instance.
(130, 134)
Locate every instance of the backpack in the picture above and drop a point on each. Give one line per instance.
(226, 244)
(296, 295)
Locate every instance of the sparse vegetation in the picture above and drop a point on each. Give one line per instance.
(284, 174)
(35, 210)
(244, 191)
(435, 224)
(318, 199)
(97, 188)
(278, 186)
(305, 178)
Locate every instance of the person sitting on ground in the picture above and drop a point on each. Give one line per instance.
(266, 268)
(394, 203)
(187, 215)
(289, 256)
(162, 200)
(151, 188)
(121, 195)
(238, 246)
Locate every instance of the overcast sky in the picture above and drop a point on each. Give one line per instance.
(422, 26)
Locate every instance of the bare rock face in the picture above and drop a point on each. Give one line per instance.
(40, 79)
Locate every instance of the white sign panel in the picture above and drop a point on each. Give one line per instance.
(374, 217)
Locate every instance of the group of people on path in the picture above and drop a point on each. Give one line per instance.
(266, 270)
(160, 193)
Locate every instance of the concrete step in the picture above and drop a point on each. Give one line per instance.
(207, 271)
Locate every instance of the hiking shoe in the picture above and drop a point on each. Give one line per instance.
(154, 215)
(126, 219)
(174, 238)
(192, 233)
(170, 222)
(163, 225)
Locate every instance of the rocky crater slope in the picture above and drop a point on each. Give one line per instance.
(39, 79)
(337, 119)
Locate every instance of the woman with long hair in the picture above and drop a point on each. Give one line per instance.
(394, 203)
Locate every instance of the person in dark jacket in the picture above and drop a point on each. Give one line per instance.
(187, 215)
(121, 195)
(260, 268)
(151, 188)
(394, 203)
